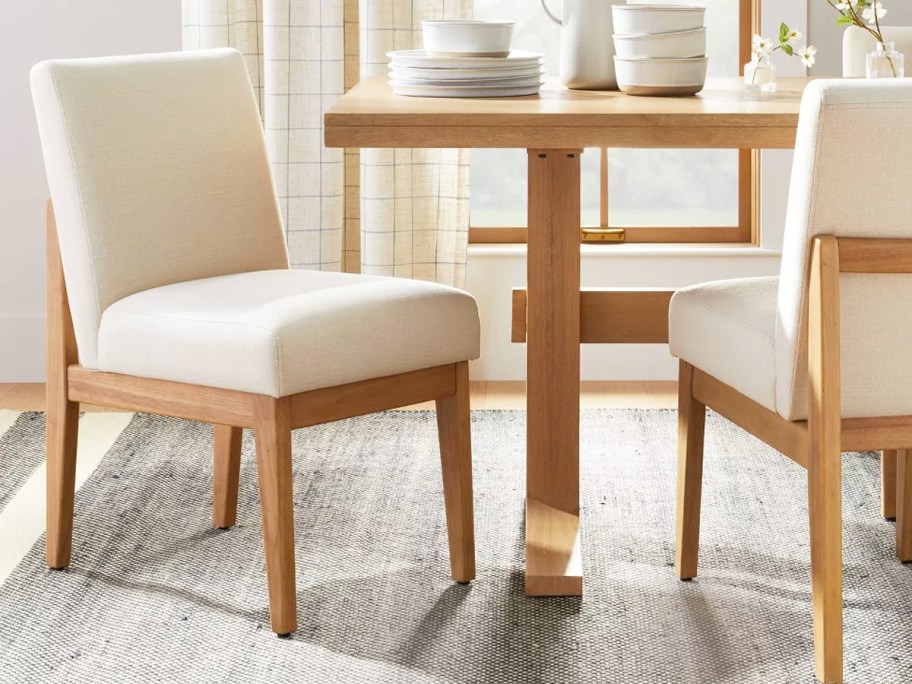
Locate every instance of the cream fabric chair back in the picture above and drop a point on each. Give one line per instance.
(158, 172)
(857, 43)
(851, 177)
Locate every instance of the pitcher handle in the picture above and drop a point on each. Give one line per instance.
(557, 21)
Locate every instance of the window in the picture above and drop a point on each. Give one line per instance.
(656, 195)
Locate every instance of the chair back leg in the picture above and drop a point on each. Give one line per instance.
(904, 505)
(691, 428)
(226, 474)
(888, 484)
(62, 415)
(272, 428)
(454, 429)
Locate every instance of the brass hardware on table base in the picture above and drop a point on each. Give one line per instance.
(602, 235)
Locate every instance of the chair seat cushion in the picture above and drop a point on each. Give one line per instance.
(282, 332)
(728, 330)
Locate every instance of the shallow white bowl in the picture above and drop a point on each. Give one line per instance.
(467, 37)
(676, 45)
(661, 77)
(640, 19)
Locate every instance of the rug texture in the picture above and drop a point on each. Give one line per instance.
(155, 594)
(21, 452)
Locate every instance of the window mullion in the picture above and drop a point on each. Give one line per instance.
(603, 188)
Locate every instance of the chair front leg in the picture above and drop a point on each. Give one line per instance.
(62, 431)
(904, 505)
(825, 458)
(691, 428)
(61, 414)
(824, 506)
(272, 428)
(226, 474)
(455, 433)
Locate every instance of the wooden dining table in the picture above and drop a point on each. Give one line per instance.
(553, 315)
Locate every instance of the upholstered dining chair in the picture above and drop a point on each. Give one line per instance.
(856, 45)
(815, 362)
(170, 293)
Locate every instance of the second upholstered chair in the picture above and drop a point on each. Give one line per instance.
(170, 293)
(856, 44)
(816, 361)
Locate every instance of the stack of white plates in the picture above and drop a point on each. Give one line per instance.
(419, 74)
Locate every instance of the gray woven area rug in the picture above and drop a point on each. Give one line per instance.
(154, 594)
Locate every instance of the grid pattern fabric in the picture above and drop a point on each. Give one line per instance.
(352, 248)
(295, 56)
(207, 24)
(406, 213)
(414, 203)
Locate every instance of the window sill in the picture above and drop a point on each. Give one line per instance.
(636, 250)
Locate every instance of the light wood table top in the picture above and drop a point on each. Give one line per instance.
(722, 116)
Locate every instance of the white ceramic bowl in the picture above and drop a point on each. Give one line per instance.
(467, 37)
(676, 45)
(661, 77)
(640, 19)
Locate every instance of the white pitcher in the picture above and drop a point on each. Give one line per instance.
(586, 44)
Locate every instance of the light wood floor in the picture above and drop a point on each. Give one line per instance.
(485, 395)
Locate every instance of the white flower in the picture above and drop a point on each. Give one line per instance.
(794, 34)
(761, 45)
(844, 6)
(807, 55)
(873, 13)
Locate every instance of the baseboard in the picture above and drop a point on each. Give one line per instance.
(21, 349)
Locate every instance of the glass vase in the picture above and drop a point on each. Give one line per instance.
(885, 62)
(760, 75)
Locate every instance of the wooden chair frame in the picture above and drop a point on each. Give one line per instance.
(816, 444)
(69, 384)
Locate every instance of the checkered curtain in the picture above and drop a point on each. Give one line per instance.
(414, 203)
(413, 214)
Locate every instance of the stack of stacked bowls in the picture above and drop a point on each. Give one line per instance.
(660, 49)
(466, 59)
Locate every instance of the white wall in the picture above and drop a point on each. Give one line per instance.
(32, 30)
